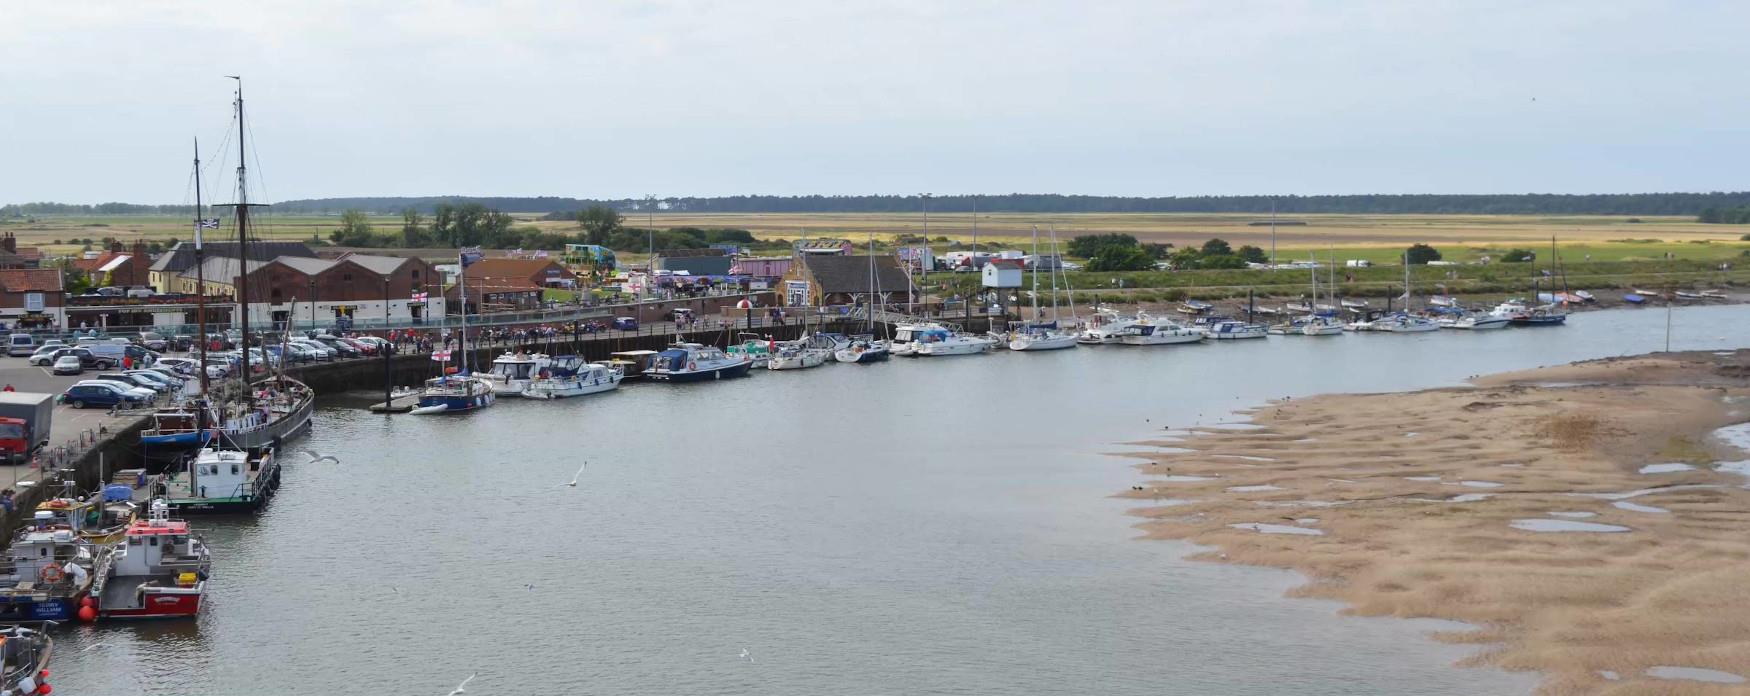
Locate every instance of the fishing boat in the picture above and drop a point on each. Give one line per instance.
(1236, 330)
(512, 373)
(160, 571)
(455, 393)
(222, 481)
(793, 356)
(1160, 333)
(174, 432)
(24, 660)
(1108, 326)
(692, 362)
(568, 375)
(754, 348)
(44, 575)
(1194, 307)
(864, 351)
(100, 518)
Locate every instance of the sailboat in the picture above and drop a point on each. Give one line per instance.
(1036, 336)
(460, 392)
(1551, 313)
(250, 414)
(1316, 322)
(867, 349)
(1405, 322)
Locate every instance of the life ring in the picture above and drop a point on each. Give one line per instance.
(52, 573)
(692, 366)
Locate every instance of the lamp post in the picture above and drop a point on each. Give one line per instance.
(388, 347)
(312, 304)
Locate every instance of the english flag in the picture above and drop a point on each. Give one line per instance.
(441, 356)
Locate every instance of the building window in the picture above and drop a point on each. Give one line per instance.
(416, 274)
(275, 294)
(346, 276)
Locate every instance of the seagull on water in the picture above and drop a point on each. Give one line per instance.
(462, 688)
(579, 474)
(745, 654)
(314, 457)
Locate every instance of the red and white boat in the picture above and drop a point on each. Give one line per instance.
(157, 571)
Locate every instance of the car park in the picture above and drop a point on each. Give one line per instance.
(67, 365)
(103, 394)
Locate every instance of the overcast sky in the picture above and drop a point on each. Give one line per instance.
(99, 100)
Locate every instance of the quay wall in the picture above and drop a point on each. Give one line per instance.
(117, 448)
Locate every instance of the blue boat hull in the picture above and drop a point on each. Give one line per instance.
(869, 356)
(1540, 321)
(54, 609)
(457, 404)
(173, 446)
(736, 370)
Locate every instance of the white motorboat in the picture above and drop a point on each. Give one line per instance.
(905, 336)
(1405, 323)
(569, 376)
(1108, 326)
(1160, 333)
(864, 350)
(1236, 330)
(512, 372)
(796, 357)
(943, 342)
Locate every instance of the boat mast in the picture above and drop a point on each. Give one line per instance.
(243, 241)
(200, 280)
(1036, 260)
(462, 339)
(1069, 290)
(872, 291)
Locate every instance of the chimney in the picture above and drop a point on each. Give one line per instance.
(9, 243)
(115, 245)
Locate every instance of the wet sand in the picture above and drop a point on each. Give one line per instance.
(1517, 506)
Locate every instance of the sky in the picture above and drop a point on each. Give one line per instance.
(99, 101)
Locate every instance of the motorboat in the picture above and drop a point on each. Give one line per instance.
(512, 372)
(1475, 321)
(1194, 307)
(568, 375)
(159, 571)
(864, 351)
(632, 363)
(829, 341)
(1443, 300)
(222, 481)
(1403, 322)
(1310, 325)
(1160, 333)
(26, 652)
(454, 394)
(942, 342)
(692, 362)
(905, 336)
(796, 356)
(1108, 326)
(757, 349)
(1236, 330)
(45, 574)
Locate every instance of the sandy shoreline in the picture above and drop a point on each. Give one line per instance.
(1427, 504)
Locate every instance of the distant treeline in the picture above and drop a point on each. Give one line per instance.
(1725, 216)
(1481, 204)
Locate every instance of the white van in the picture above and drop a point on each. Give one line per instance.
(20, 344)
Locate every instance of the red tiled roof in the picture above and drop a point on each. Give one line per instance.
(30, 280)
(89, 265)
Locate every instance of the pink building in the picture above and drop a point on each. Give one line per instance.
(761, 266)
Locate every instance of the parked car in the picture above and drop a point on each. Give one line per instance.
(626, 323)
(133, 381)
(20, 344)
(184, 366)
(154, 341)
(341, 347)
(44, 355)
(86, 358)
(362, 347)
(322, 352)
(155, 377)
(103, 394)
(218, 368)
(68, 365)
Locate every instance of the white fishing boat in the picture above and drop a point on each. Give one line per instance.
(1236, 330)
(1159, 332)
(568, 375)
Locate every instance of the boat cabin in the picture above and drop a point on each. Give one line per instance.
(158, 545)
(221, 473)
(632, 362)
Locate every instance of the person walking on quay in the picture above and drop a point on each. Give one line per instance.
(6, 501)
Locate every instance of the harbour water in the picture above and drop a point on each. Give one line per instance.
(937, 525)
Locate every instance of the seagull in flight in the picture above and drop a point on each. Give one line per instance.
(579, 474)
(462, 688)
(314, 457)
(745, 654)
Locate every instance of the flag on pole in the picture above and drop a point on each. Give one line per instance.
(441, 356)
(210, 224)
(419, 297)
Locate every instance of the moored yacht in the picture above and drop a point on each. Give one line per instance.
(1236, 330)
(1042, 339)
(568, 375)
(1403, 322)
(1159, 332)
(944, 342)
(864, 351)
(512, 372)
(796, 356)
(453, 394)
(1108, 326)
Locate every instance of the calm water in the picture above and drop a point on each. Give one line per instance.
(923, 526)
